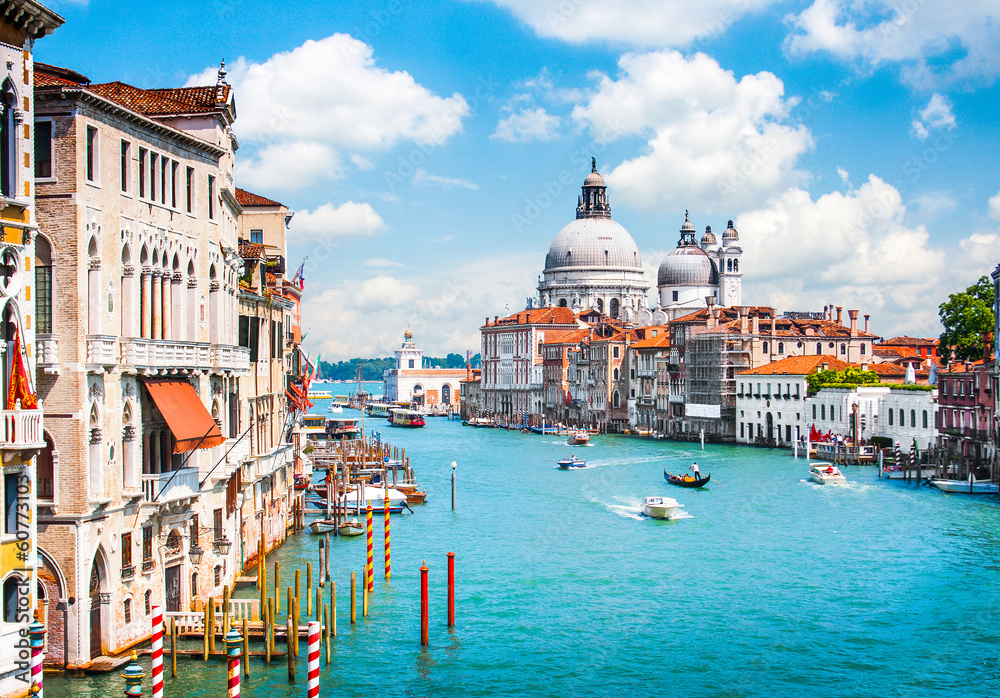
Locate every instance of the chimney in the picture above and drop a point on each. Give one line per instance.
(867, 316)
(711, 322)
(744, 321)
(853, 314)
(826, 366)
(496, 319)
(864, 366)
(826, 312)
(468, 372)
(710, 301)
(840, 312)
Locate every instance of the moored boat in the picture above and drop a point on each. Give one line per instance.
(351, 527)
(323, 525)
(400, 417)
(969, 486)
(578, 438)
(342, 428)
(826, 475)
(660, 507)
(685, 480)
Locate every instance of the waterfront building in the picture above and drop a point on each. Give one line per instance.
(596, 383)
(470, 401)
(908, 413)
(268, 320)
(22, 23)
(771, 405)
(905, 351)
(966, 410)
(692, 273)
(410, 381)
(593, 262)
(512, 358)
(645, 373)
(844, 412)
(557, 397)
(139, 361)
(710, 346)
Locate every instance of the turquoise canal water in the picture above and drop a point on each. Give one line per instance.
(770, 586)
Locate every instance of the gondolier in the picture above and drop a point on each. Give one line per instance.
(694, 469)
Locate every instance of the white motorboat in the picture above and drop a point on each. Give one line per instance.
(826, 475)
(336, 409)
(571, 462)
(578, 438)
(970, 486)
(660, 507)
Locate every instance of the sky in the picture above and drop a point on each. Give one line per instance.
(431, 151)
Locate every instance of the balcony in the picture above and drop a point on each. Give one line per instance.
(22, 430)
(47, 351)
(646, 373)
(128, 572)
(154, 354)
(102, 350)
(170, 486)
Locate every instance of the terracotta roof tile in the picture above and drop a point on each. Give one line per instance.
(538, 316)
(798, 366)
(248, 198)
(658, 342)
(905, 341)
(162, 102)
(251, 250)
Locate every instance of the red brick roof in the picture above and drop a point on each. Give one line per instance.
(662, 340)
(248, 198)
(798, 366)
(46, 74)
(538, 316)
(251, 250)
(163, 102)
(905, 341)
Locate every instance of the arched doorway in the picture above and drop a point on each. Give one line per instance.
(770, 427)
(446, 394)
(97, 577)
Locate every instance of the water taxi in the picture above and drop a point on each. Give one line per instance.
(320, 394)
(578, 438)
(315, 426)
(378, 409)
(343, 428)
(405, 418)
(826, 475)
(660, 507)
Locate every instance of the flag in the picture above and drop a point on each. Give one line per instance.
(20, 382)
(300, 275)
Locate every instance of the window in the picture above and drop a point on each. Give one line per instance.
(218, 575)
(147, 544)
(11, 592)
(843, 349)
(43, 149)
(781, 347)
(91, 154)
(257, 236)
(10, 481)
(43, 286)
(217, 523)
(211, 197)
(194, 530)
(281, 340)
(164, 164)
(819, 347)
(8, 140)
(128, 611)
(615, 374)
(126, 550)
(863, 349)
(142, 172)
(764, 347)
(675, 296)
(194, 585)
(913, 418)
(173, 183)
(189, 177)
(254, 338)
(925, 419)
(153, 160)
(822, 411)
(411, 363)
(616, 352)
(890, 416)
(902, 418)
(125, 162)
(148, 596)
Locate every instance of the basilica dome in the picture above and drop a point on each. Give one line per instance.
(593, 243)
(687, 266)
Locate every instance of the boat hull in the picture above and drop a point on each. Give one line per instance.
(660, 507)
(964, 487)
(827, 478)
(322, 525)
(351, 528)
(681, 482)
(570, 463)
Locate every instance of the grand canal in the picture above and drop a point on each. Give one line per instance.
(770, 586)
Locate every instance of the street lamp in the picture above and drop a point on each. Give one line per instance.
(195, 554)
(222, 546)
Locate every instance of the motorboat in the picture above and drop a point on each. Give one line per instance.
(323, 525)
(400, 417)
(378, 409)
(578, 438)
(685, 480)
(660, 507)
(301, 482)
(826, 475)
(343, 428)
(969, 486)
(351, 527)
(336, 409)
(314, 426)
(571, 462)
(320, 395)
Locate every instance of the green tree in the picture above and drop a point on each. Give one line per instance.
(966, 317)
(852, 375)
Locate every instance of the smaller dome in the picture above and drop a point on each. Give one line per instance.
(709, 237)
(594, 180)
(730, 236)
(687, 266)
(688, 226)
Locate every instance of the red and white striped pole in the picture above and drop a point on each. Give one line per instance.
(36, 633)
(234, 649)
(312, 661)
(157, 665)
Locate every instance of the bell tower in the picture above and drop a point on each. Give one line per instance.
(731, 268)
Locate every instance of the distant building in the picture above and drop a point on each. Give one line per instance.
(645, 375)
(411, 382)
(965, 404)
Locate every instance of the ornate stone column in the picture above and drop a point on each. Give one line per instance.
(157, 305)
(165, 330)
(146, 329)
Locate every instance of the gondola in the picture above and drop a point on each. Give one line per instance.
(680, 480)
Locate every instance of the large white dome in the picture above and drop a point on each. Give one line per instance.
(593, 243)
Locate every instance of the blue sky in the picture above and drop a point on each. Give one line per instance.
(432, 150)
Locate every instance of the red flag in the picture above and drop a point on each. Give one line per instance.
(20, 383)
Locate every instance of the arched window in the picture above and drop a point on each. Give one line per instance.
(902, 418)
(194, 585)
(93, 288)
(913, 418)
(764, 347)
(125, 289)
(819, 347)
(600, 305)
(863, 350)
(446, 394)
(127, 608)
(615, 399)
(736, 265)
(616, 374)
(43, 286)
(781, 347)
(890, 416)
(562, 303)
(11, 590)
(822, 411)
(843, 349)
(8, 139)
(218, 575)
(613, 307)
(814, 410)
(729, 265)
(925, 419)
(149, 601)
(192, 308)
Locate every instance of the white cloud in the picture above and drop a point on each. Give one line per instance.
(330, 94)
(932, 43)
(527, 125)
(936, 115)
(715, 143)
(844, 175)
(443, 306)
(290, 165)
(421, 176)
(350, 219)
(379, 262)
(994, 204)
(638, 23)
(856, 250)
(934, 204)
(361, 162)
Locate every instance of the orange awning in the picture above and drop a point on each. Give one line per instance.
(191, 424)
